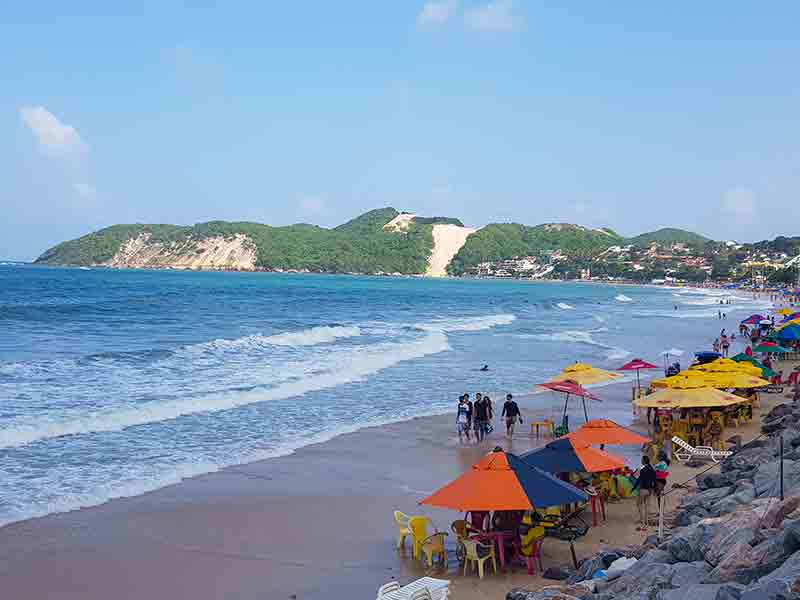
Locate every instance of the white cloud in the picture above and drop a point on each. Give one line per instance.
(497, 15)
(437, 12)
(740, 203)
(52, 136)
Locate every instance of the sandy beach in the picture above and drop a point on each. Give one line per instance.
(314, 524)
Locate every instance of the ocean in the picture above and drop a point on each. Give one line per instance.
(118, 382)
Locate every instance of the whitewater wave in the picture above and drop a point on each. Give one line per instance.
(623, 298)
(305, 337)
(467, 323)
(612, 353)
(565, 306)
(346, 366)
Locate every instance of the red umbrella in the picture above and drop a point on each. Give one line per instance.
(637, 364)
(570, 387)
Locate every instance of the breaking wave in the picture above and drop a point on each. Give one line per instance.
(623, 298)
(565, 306)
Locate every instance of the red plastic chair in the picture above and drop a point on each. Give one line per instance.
(535, 557)
(793, 378)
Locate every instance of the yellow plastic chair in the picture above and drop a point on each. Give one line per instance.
(434, 545)
(474, 551)
(419, 532)
(401, 519)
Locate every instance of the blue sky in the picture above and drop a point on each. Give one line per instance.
(630, 115)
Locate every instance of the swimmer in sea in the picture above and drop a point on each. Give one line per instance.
(484, 368)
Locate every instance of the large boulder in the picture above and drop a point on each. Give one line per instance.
(748, 458)
(736, 565)
(730, 591)
(707, 498)
(778, 511)
(695, 591)
(767, 478)
(684, 574)
(712, 480)
(644, 578)
(782, 584)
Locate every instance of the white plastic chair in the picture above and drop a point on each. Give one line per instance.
(387, 588)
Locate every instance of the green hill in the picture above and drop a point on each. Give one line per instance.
(360, 245)
(669, 235)
(506, 240)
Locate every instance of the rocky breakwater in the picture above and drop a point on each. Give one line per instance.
(733, 537)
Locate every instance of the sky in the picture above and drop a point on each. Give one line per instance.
(629, 115)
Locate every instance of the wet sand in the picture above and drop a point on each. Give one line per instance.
(314, 524)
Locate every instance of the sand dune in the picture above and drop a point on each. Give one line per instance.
(447, 241)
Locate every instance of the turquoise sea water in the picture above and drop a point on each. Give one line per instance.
(114, 383)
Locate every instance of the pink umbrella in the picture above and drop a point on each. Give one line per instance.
(571, 388)
(637, 364)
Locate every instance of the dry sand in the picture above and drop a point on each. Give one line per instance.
(447, 241)
(315, 524)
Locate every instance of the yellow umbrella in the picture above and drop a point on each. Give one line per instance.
(687, 380)
(784, 311)
(726, 365)
(585, 374)
(736, 380)
(688, 398)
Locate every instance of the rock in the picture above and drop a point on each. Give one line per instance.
(791, 537)
(643, 577)
(730, 591)
(657, 555)
(782, 584)
(546, 594)
(777, 512)
(707, 498)
(736, 565)
(773, 426)
(709, 481)
(557, 573)
(684, 574)
(767, 478)
(781, 410)
(721, 534)
(610, 556)
(695, 591)
(748, 458)
(744, 492)
(695, 463)
(684, 545)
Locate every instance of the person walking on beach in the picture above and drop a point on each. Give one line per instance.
(646, 484)
(489, 414)
(463, 418)
(511, 413)
(726, 344)
(479, 418)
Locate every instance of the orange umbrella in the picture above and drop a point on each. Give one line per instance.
(604, 431)
(501, 481)
(570, 455)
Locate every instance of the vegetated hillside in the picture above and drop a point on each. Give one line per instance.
(668, 236)
(506, 240)
(360, 245)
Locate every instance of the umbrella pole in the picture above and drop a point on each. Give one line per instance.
(638, 384)
(566, 402)
(585, 414)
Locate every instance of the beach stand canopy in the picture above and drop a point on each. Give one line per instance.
(637, 364)
(604, 431)
(571, 388)
(736, 380)
(568, 455)
(689, 398)
(727, 365)
(502, 481)
(753, 320)
(585, 374)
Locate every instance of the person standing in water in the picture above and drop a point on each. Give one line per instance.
(479, 417)
(511, 413)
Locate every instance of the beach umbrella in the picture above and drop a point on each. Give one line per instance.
(604, 431)
(784, 311)
(736, 381)
(753, 320)
(727, 365)
(788, 334)
(769, 348)
(570, 388)
(766, 372)
(685, 380)
(637, 364)
(706, 356)
(585, 374)
(707, 397)
(502, 481)
(792, 317)
(571, 455)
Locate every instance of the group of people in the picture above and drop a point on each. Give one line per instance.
(650, 483)
(476, 417)
(722, 344)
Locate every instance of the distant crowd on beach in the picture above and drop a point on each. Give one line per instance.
(476, 417)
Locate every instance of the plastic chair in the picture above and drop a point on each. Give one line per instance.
(474, 550)
(433, 545)
(401, 519)
(419, 532)
(387, 588)
(535, 556)
(423, 594)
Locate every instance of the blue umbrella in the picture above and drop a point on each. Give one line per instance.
(788, 333)
(706, 357)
